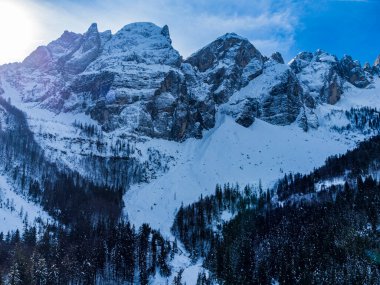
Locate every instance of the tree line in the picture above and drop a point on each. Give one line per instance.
(104, 252)
(325, 237)
(89, 243)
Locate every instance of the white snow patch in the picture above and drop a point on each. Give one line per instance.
(15, 210)
(328, 183)
(228, 153)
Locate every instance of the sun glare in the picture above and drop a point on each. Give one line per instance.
(17, 31)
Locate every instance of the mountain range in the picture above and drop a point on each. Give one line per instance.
(127, 112)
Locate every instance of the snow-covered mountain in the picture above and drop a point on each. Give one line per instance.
(95, 96)
(136, 80)
(125, 110)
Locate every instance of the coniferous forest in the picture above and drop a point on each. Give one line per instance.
(294, 234)
(191, 147)
(90, 243)
(302, 231)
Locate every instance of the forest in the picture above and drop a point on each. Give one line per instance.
(87, 253)
(90, 243)
(319, 237)
(295, 233)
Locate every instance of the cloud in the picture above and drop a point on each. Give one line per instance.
(269, 46)
(193, 24)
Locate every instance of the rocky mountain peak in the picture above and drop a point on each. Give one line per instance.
(319, 76)
(229, 48)
(91, 38)
(165, 32)
(226, 65)
(353, 72)
(137, 81)
(367, 66)
(142, 43)
(70, 54)
(38, 58)
(44, 56)
(323, 75)
(377, 61)
(278, 58)
(304, 59)
(66, 42)
(86, 52)
(93, 28)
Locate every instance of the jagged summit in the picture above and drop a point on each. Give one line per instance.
(135, 80)
(353, 72)
(229, 47)
(278, 57)
(69, 54)
(73, 52)
(143, 42)
(93, 28)
(145, 30)
(323, 75)
(232, 35)
(377, 61)
(165, 32)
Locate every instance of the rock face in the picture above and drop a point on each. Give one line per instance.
(322, 76)
(119, 86)
(278, 58)
(137, 82)
(307, 119)
(376, 65)
(353, 72)
(319, 76)
(174, 114)
(274, 96)
(69, 55)
(226, 65)
(377, 61)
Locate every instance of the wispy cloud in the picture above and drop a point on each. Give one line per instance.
(193, 24)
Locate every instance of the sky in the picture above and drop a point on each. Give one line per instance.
(288, 26)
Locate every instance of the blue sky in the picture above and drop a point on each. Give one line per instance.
(341, 27)
(289, 26)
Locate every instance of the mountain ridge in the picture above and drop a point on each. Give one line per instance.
(135, 79)
(133, 127)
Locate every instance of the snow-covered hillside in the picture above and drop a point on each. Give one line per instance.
(16, 212)
(126, 111)
(230, 153)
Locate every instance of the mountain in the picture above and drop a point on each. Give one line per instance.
(136, 80)
(100, 125)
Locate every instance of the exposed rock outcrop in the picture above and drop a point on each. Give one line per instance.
(274, 96)
(226, 65)
(353, 72)
(136, 81)
(319, 76)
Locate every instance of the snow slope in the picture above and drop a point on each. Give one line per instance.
(356, 97)
(229, 153)
(16, 211)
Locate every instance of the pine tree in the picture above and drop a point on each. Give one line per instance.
(143, 253)
(178, 279)
(40, 270)
(14, 276)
